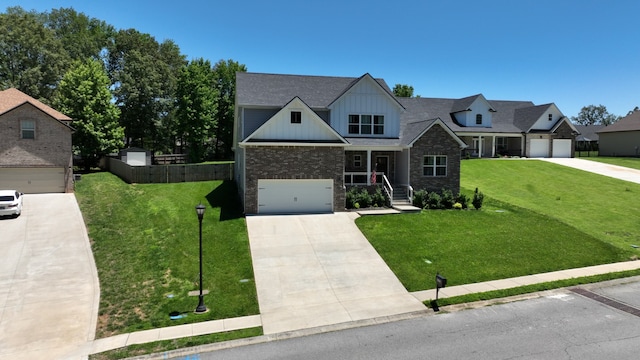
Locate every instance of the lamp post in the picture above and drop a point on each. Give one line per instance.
(201, 307)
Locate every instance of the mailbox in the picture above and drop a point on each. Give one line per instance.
(440, 281)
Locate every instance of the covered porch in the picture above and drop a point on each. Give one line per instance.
(388, 168)
(493, 145)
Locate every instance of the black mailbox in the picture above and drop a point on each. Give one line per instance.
(440, 281)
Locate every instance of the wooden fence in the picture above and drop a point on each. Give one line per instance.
(170, 173)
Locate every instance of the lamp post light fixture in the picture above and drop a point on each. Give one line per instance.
(201, 307)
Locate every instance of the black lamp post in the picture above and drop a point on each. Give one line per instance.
(201, 307)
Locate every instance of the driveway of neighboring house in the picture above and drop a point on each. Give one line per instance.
(49, 290)
(614, 171)
(317, 270)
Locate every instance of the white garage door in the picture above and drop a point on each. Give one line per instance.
(561, 148)
(295, 196)
(539, 148)
(32, 180)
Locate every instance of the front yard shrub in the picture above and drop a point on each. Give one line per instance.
(420, 198)
(363, 198)
(351, 198)
(433, 200)
(378, 198)
(478, 198)
(457, 206)
(446, 199)
(463, 200)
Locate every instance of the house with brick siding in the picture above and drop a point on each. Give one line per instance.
(35, 145)
(301, 141)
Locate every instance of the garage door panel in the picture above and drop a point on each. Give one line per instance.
(562, 148)
(539, 148)
(295, 196)
(33, 180)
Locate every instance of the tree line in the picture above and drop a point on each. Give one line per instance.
(122, 87)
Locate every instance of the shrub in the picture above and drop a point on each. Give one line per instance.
(433, 200)
(379, 198)
(420, 198)
(478, 198)
(463, 200)
(363, 198)
(457, 206)
(446, 199)
(351, 198)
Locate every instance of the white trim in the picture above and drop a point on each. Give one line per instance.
(462, 144)
(288, 143)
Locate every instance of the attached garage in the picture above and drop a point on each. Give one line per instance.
(287, 196)
(562, 148)
(539, 148)
(33, 180)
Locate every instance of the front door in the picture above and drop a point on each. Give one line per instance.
(382, 167)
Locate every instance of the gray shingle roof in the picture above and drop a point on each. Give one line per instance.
(257, 89)
(630, 122)
(525, 117)
(588, 132)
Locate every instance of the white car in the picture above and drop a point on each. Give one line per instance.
(10, 202)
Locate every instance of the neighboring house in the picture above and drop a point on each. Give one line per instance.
(621, 138)
(300, 141)
(588, 138)
(35, 145)
(493, 128)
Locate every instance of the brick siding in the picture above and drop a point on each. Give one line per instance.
(436, 141)
(293, 162)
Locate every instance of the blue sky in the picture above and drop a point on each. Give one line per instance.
(569, 52)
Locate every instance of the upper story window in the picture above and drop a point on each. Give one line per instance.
(478, 119)
(550, 117)
(28, 129)
(434, 165)
(296, 117)
(366, 124)
(357, 161)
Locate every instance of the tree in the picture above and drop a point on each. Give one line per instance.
(81, 36)
(595, 115)
(634, 110)
(83, 95)
(401, 90)
(143, 81)
(32, 59)
(225, 81)
(196, 98)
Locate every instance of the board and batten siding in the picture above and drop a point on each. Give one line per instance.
(468, 118)
(366, 98)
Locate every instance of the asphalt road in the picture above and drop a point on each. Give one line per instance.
(562, 325)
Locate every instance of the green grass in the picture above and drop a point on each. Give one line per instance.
(602, 207)
(629, 162)
(500, 241)
(168, 345)
(145, 243)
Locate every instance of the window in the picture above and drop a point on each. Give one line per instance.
(366, 124)
(357, 161)
(550, 117)
(478, 119)
(434, 165)
(28, 129)
(296, 117)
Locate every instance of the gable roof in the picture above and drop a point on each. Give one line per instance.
(630, 122)
(276, 90)
(12, 98)
(415, 130)
(326, 134)
(464, 104)
(383, 87)
(526, 117)
(588, 132)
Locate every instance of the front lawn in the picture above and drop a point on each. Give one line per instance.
(537, 217)
(145, 243)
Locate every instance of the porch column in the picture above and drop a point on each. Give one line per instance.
(480, 146)
(493, 146)
(523, 145)
(368, 167)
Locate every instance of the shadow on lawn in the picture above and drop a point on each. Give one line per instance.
(226, 198)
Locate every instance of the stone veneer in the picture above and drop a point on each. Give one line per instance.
(50, 148)
(293, 162)
(436, 141)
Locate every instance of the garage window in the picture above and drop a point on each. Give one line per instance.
(28, 129)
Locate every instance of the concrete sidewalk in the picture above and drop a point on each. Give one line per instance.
(182, 331)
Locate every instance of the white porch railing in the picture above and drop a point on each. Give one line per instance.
(359, 178)
(386, 185)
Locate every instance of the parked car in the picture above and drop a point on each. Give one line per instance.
(10, 202)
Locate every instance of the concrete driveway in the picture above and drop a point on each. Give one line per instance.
(317, 270)
(614, 171)
(49, 290)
